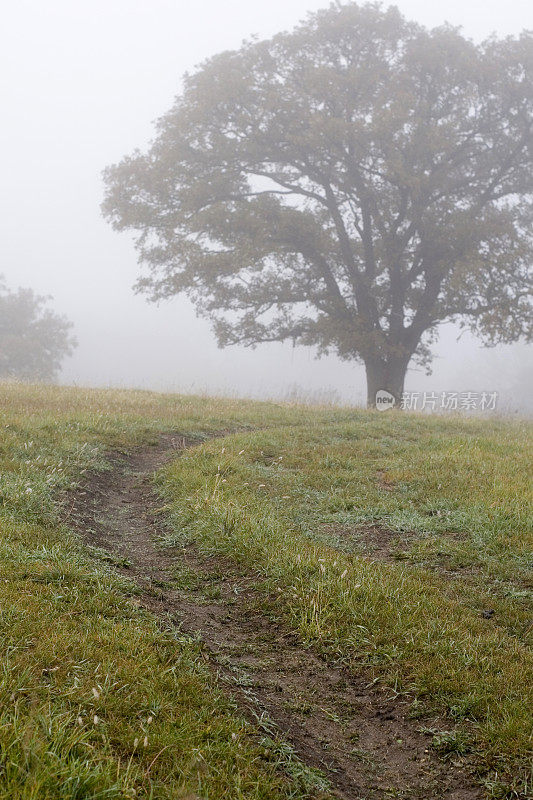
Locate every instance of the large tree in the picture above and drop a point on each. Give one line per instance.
(33, 338)
(349, 185)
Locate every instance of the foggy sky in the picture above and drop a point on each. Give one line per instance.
(81, 84)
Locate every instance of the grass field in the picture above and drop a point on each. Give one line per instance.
(397, 544)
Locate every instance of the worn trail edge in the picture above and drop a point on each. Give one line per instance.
(362, 739)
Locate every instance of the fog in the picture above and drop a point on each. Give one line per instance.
(82, 83)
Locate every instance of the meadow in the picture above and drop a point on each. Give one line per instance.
(397, 545)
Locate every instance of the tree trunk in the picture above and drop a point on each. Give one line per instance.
(385, 381)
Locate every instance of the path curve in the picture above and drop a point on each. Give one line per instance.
(361, 739)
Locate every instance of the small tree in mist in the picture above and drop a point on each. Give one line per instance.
(349, 185)
(33, 339)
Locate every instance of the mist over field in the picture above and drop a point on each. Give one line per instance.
(203, 594)
(82, 84)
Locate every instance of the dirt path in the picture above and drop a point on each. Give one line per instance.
(362, 740)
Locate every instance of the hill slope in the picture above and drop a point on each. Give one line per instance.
(396, 547)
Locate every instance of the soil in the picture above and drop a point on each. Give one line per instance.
(361, 737)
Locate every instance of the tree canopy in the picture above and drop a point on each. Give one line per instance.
(33, 339)
(350, 185)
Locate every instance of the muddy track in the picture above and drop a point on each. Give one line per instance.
(362, 740)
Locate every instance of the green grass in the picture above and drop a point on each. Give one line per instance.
(96, 701)
(274, 499)
(292, 501)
